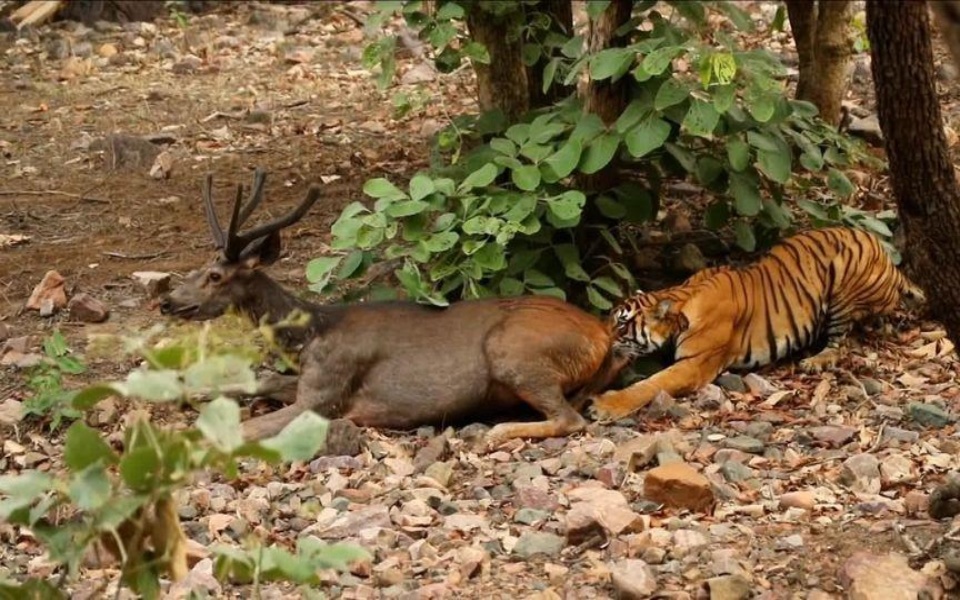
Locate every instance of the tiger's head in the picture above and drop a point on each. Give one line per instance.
(646, 323)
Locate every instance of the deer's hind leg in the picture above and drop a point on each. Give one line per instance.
(562, 418)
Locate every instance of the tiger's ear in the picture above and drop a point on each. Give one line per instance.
(663, 307)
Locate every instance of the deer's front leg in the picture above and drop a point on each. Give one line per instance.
(682, 377)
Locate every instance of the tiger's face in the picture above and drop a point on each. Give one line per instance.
(644, 324)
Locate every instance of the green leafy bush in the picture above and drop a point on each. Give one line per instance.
(48, 398)
(124, 499)
(506, 217)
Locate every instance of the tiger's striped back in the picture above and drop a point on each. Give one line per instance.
(812, 285)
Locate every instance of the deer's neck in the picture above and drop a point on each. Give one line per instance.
(295, 320)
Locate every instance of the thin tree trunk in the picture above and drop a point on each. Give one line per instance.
(561, 21)
(503, 83)
(822, 33)
(922, 174)
(607, 100)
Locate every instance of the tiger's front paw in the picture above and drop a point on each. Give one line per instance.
(820, 362)
(610, 406)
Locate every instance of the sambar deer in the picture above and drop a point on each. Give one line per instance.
(400, 365)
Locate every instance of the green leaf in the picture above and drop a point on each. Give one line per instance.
(760, 104)
(588, 127)
(406, 208)
(763, 141)
(724, 67)
(553, 292)
(744, 236)
(351, 264)
(812, 161)
(301, 439)
(608, 285)
(568, 205)
(527, 177)
(723, 97)
(738, 153)
(441, 242)
(549, 74)
(219, 422)
(595, 8)
(599, 153)
(657, 61)
(421, 186)
(597, 299)
(535, 152)
(216, 372)
(92, 394)
(22, 490)
(84, 447)
(611, 63)
(839, 183)
(716, 215)
(746, 195)
(382, 188)
(631, 115)
(565, 160)
(647, 137)
(475, 51)
(140, 467)
(482, 177)
(491, 257)
(511, 287)
(569, 257)
(686, 159)
(534, 278)
(775, 165)
(321, 268)
(90, 489)
(504, 146)
(161, 385)
(519, 133)
(708, 169)
(671, 93)
(701, 119)
(611, 208)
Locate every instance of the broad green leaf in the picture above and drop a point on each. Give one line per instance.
(301, 439)
(744, 236)
(491, 257)
(140, 468)
(746, 195)
(814, 209)
(482, 177)
(589, 126)
(154, 386)
(23, 489)
(597, 299)
(738, 153)
(631, 115)
(84, 447)
(519, 133)
(568, 205)
(535, 278)
(812, 161)
(802, 108)
(546, 133)
(216, 372)
(723, 97)
(536, 152)
(595, 8)
(647, 137)
(775, 165)
(611, 62)
(724, 67)
(716, 215)
(510, 286)
(90, 489)
(219, 422)
(527, 177)
(92, 394)
(475, 51)
(569, 257)
(553, 292)
(599, 153)
(382, 188)
(608, 285)
(421, 186)
(610, 207)
(504, 146)
(338, 556)
(701, 118)
(565, 160)
(351, 264)
(549, 74)
(686, 158)
(406, 208)
(671, 93)
(763, 141)
(442, 241)
(760, 104)
(657, 61)
(839, 183)
(708, 169)
(319, 269)
(522, 208)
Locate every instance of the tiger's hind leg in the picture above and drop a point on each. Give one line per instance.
(827, 358)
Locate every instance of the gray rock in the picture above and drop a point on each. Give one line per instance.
(867, 129)
(529, 516)
(87, 309)
(761, 430)
(728, 587)
(735, 472)
(745, 443)
(929, 415)
(867, 576)
(758, 385)
(861, 473)
(732, 382)
(871, 386)
(533, 543)
(833, 435)
(633, 579)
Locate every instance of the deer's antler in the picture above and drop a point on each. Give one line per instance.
(233, 244)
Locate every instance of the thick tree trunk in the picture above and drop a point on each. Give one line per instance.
(604, 98)
(922, 174)
(822, 33)
(503, 83)
(561, 22)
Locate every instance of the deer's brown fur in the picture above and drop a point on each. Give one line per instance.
(401, 364)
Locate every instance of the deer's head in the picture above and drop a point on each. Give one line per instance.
(229, 280)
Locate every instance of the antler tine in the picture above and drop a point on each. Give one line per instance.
(211, 213)
(285, 221)
(256, 196)
(234, 242)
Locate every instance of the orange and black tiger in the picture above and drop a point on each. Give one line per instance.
(810, 288)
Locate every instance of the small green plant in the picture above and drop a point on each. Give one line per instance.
(48, 399)
(175, 8)
(123, 501)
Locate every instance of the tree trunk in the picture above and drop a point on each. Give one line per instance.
(503, 83)
(822, 33)
(606, 99)
(922, 174)
(561, 22)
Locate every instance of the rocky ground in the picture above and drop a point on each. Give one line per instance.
(775, 484)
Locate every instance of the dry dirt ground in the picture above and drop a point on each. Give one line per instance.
(808, 470)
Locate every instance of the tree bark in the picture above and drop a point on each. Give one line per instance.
(607, 100)
(561, 22)
(922, 175)
(822, 33)
(503, 83)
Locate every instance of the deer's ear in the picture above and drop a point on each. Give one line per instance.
(262, 252)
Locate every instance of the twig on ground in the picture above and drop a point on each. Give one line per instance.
(81, 197)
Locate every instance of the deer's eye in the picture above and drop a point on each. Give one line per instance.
(213, 277)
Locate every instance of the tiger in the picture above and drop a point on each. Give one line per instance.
(810, 288)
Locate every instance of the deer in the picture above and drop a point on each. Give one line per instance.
(400, 364)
